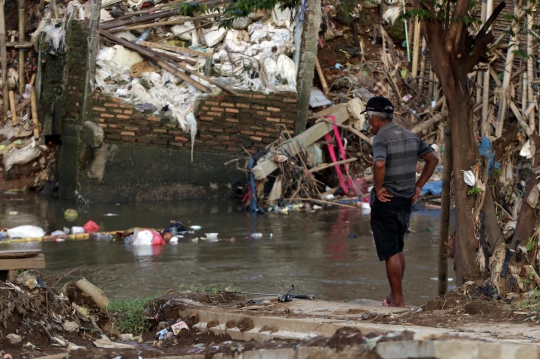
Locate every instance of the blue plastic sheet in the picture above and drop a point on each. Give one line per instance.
(432, 188)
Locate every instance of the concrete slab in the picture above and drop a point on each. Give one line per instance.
(302, 318)
(455, 349)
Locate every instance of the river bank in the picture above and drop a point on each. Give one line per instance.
(56, 322)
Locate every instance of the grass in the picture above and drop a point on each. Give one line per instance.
(131, 315)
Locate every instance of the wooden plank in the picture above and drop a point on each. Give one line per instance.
(19, 253)
(36, 262)
(149, 55)
(34, 113)
(13, 108)
(3, 59)
(178, 49)
(306, 138)
(20, 45)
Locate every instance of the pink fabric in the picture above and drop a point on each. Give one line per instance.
(348, 190)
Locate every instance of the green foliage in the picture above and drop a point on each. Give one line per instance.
(474, 190)
(496, 172)
(520, 54)
(130, 314)
(420, 13)
(242, 8)
(531, 244)
(189, 8)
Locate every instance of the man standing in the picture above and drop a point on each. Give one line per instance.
(395, 155)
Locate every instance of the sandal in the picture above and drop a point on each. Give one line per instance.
(386, 302)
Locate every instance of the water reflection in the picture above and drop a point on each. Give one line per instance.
(329, 253)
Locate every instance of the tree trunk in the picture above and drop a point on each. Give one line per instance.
(464, 146)
(306, 62)
(446, 201)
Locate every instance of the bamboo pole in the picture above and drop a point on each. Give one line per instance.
(328, 165)
(34, 113)
(13, 108)
(207, 79)
(530, 72)
(20, 45)
(321, 75)
(486, 128)
(20, 6)
(406, 33)
(431, 85)
(150, 55)
(137, 20)
(524, 96)
(445, 212)
(3, 58)
(422, 66)
(416, 48)
(478, 107)
(183, 50)
(505, 86)
(479, 75)
(175, 57)
(162, 23)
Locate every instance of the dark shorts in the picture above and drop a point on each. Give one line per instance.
(389, 222)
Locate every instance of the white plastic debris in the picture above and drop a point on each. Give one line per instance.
(526, 150)
(286, 70)
(143, 238)
(183, 31)
(21, 156)
(26, 231)
(281, 18)
(77, 230)
(124, 57)
(392, 14)
(469, 178)
(215, 37)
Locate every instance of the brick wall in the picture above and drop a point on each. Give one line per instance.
(76, 64)
(225, 123)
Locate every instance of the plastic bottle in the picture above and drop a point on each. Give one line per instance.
(143, 36)
(103, 237)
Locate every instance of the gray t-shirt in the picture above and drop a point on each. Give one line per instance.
(401, 150)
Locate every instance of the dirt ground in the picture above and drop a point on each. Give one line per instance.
(476, 303)
(39, 317)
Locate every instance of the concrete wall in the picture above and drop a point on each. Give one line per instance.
(145, 157)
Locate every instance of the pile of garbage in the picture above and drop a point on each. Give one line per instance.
(174, 233)
(163, 66)
(328, 165)
(35, 312)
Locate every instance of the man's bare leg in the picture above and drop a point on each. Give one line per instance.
(390, 297)
(394, 272)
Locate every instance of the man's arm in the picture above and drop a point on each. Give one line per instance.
(431, 162)
(379, 171)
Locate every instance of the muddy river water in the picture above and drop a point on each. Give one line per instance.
(329, 253)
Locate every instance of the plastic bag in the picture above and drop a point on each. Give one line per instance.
(143, 238)
(21, 156)
(26, 232)
(147, 237)
(91, 227)
(157, 239)
(77, 230)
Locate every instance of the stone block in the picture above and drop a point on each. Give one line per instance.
(93, 134)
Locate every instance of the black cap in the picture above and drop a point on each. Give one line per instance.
(379, 104)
